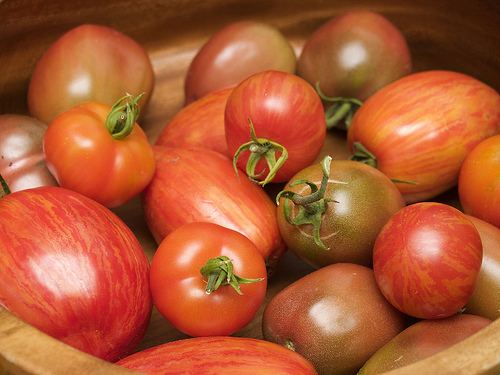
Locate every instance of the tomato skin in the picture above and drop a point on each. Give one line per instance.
(338, 306)
(427, 259)
(421, 340)
(201, 185)
(79, 151)
(421, 127)
(354, 54)
(54, 243)
(199, 124)
(105, 65)
(284, 109)
(22, 163)
(235, 52)
(178, 288)
(364, 199)
(223, 355)
(479, 192)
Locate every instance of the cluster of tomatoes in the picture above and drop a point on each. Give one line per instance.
(383, 251)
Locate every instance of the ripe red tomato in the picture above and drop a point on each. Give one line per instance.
(185, 271)
(104, 66)
(335, 317)
(201, 185)
(71, 268)
(22, 163)
(479, 181)
(287, 116)
(85, 153)
(420, 129)
(199, 124)
(224, 355)
(235, 52)
(427, 259)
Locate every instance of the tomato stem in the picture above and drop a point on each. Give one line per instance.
(122, 117)
(4, 188)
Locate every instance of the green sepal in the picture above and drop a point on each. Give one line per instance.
(122, 117)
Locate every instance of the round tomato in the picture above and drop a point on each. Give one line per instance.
(342, 222)
(71, 268)
(335, 317)
(479, 181)
(420, 129)
(223, 355)
(427, 259)
(235, 52)
(275, 125)
(208, 280)
(88, 63)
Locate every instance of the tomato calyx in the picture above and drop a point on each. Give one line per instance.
(312, 206)
(341, 109)
(4, 188)
(122, 117)
(219, 272)
(261, 148)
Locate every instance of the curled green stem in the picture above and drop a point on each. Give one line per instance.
(122, 117)
(341, 112)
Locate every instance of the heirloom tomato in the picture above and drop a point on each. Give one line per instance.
(235, 52)
(100, 151)
(335, 317)
(275, 125)
(421, 340)
(208, 280)
(479, 181)
(332, 211)
(427, 259)
(72, 269)
(88, 63)
(22, 163)
(199, 124)
(201, 185)
(420, 129)
(222, 355)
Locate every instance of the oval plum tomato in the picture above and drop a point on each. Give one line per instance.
(275, 125)
(223, 355)
(22, 163)
(420, 129)
(352, 56)
(88, 63)
(421, 340)
(100, 151)
(479, 181)
(71, 268)
(335, 317)
(199, 124)
(201, 185)
(235, 52)
(339, 221)
(208, 280)
(427, 259)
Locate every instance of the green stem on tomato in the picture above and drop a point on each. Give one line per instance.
(122, 117)
(4, 188)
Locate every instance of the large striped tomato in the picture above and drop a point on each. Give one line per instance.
(71, 268)
(427, 259)
(420, 128)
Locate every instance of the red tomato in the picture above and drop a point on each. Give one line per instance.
(421, 127)
(201, 185)
(85, 154)
(184, 273)
(74, 270)
(104, 65)
(235, 52)
(286, 114)
(479, 181)
(200, 124)
(224, 355)
(426, 260)
(22, 163)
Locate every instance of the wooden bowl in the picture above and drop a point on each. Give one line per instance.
(459, 35)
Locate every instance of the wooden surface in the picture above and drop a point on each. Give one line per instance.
(446, 34)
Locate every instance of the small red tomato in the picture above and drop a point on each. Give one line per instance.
(427, 259)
